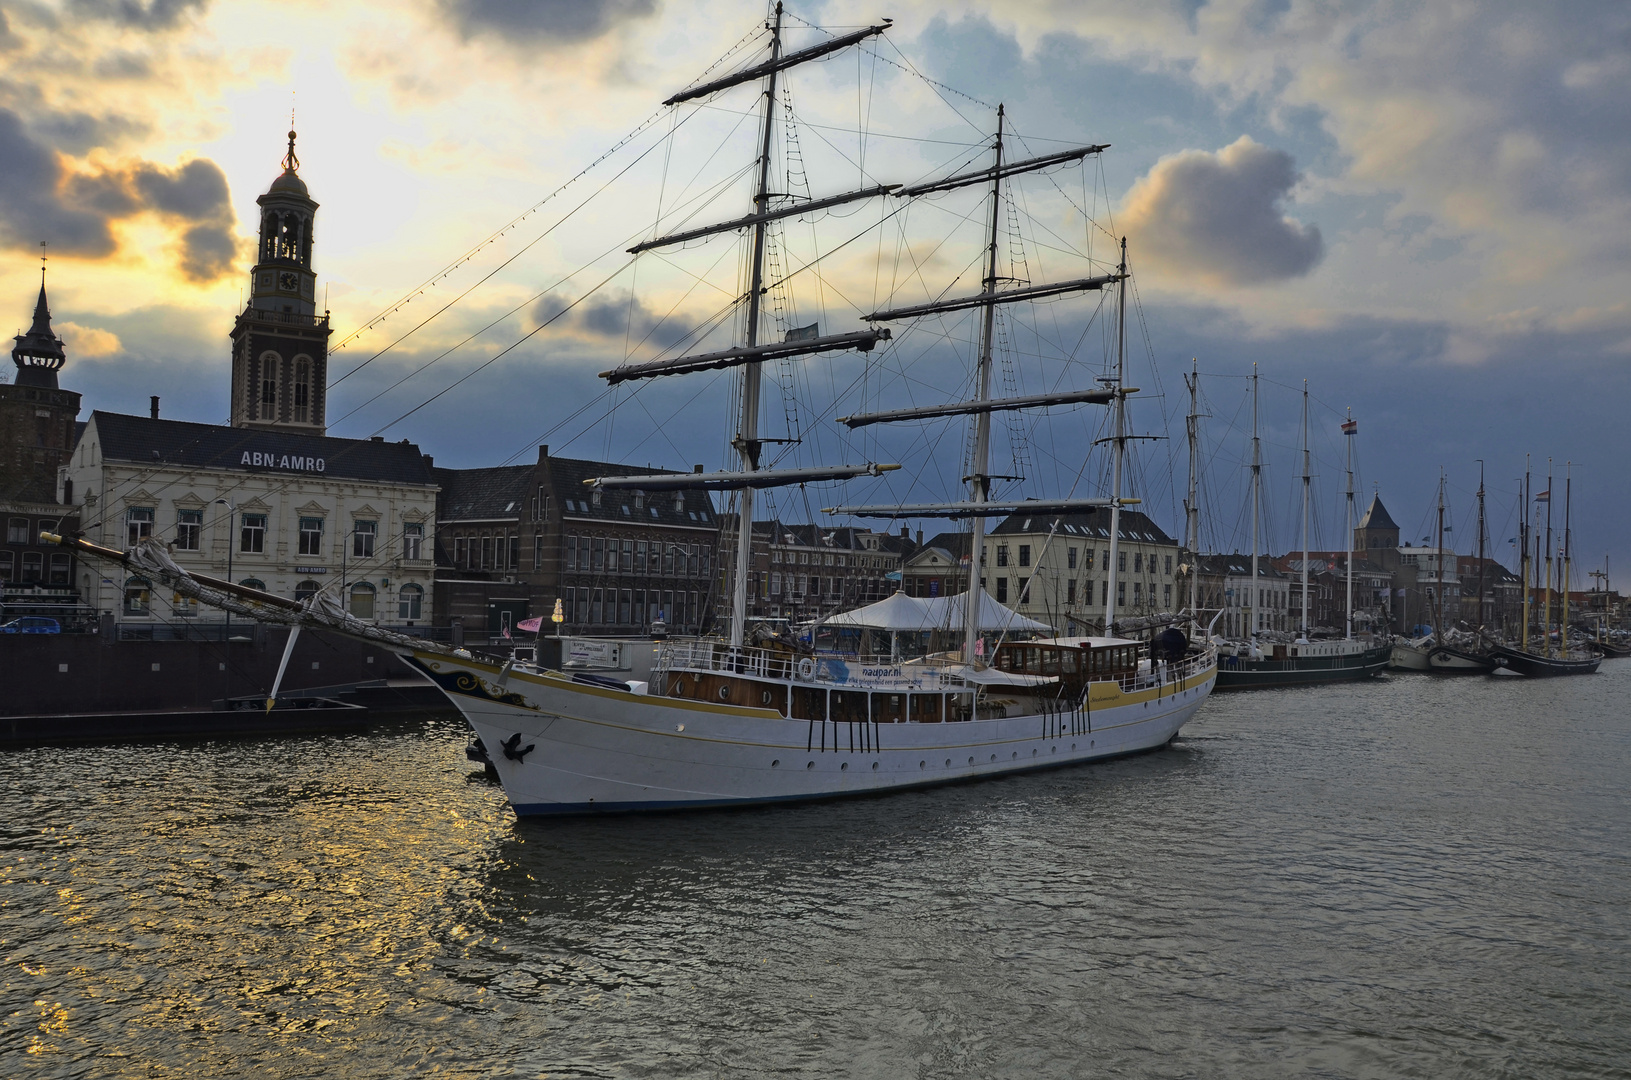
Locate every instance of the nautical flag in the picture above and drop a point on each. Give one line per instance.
(1351, 427)
(803, 333)
(1545, 496)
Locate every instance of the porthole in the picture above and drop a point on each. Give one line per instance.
(923, 764)
(844, 767)
(1055, 750)
(948, 762)
(971, 761)
(1016, 755)
(993, 757)
(1033, 751)
(766, 697)
(811, 765)
(1073, 746)
(724, 693)
(775, 763)
(1090, 745)
(874, 766)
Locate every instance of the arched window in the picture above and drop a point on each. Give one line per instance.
(410, 603)
(302, 389)
(362, 600)
(305, 590)
(270, 362)
(138, 596)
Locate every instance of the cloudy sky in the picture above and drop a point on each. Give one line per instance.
(1422, 209)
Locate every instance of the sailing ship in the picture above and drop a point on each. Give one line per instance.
(1304, 660)
(1548, 661)
(747, 717)
(1442, 650)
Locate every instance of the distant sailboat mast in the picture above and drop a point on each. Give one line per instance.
(1546, 611)
(1307, 479)
(1349, 429)
(1192, 509)
(1563, 584)
(1482, 530)
(1256, 590)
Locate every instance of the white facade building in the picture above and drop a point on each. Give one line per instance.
(275, 510)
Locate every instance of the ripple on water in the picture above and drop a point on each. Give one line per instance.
(1417, 877)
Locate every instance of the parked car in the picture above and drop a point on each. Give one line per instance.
(31, 624)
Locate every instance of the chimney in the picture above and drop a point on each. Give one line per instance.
(905, 533)
(153, 406)
(920, 538)
(543, 453)
(430, 461)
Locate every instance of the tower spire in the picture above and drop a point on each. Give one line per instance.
(290, 162)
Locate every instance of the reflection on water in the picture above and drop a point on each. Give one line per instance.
(1419, 877)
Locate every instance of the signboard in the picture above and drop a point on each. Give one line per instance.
(292, 462)
(311, 569)
(582, 652)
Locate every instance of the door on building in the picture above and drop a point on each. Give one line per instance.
(502, 615)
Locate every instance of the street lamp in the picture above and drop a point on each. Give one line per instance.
(232, 517)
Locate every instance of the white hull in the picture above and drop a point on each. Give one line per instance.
(1407, 657)
(601, 750)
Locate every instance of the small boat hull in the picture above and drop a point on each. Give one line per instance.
(1446, 660)
(1540, 667)
(1408, 657)
(1243, 673)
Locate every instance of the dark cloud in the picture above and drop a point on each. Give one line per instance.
(152, 15)
(613, 316)
(40, 199)
(1216, 217)
(542, 22)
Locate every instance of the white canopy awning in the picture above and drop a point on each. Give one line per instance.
(912, 613)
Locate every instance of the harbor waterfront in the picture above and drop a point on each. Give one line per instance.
(1402, 877)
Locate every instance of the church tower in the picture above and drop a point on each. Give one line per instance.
(279, 342)
(36, 415)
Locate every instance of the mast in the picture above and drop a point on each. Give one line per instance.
(1546, 611)
(1481, 537)
(1257, 477)
(1523, 556)
(1348, 431)
(1563, 585)
(1192, 508)
(1119, 445)
(979, 481)
(747, 439)
(1306, 480)
(1438, 572)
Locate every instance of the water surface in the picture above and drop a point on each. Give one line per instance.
(1416, 877)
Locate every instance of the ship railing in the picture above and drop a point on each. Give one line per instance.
(852, 670)
(1163, 673)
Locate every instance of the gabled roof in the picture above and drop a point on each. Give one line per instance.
(143, 440)
(1089, 525)
(627, 507)
(1237, 565)
(492, 494)
(1376, 516)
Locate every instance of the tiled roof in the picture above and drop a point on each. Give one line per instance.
(1237, 565)
(1376, 515)
(625, 507)
(143, 440)
(482, 494)
(1090, 525)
